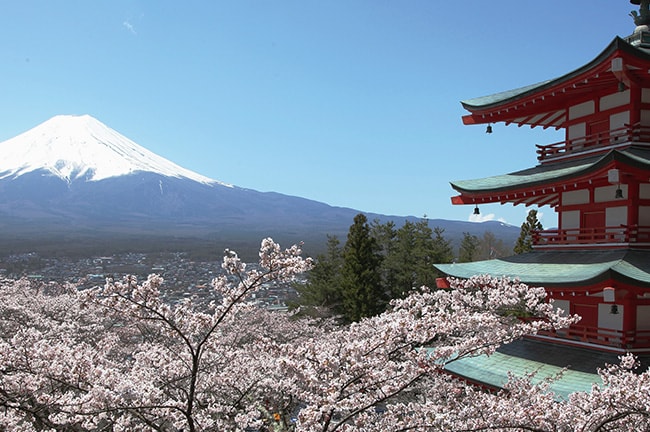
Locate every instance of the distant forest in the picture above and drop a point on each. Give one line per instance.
(208, 247)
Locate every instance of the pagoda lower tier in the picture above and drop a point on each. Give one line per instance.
(609, 289)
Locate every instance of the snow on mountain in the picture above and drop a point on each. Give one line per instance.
(81, 147)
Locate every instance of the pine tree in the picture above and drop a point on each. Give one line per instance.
(420, 248)
(442, 250)
(405, 260)
(386, 237)
(525, 241)
(384, 234)
(423, 271)
(468, 249)
(361, 288)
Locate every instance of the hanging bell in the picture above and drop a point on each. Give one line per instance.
(619, 193)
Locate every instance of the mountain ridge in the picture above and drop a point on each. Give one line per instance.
(76, 177)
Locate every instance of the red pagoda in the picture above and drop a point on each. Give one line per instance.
(597, 262)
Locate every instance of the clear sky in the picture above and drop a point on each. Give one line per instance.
(354, 103)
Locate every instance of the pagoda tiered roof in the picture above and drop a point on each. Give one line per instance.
(561, 268)
(623, 62)
(596, 263)
(542, 184)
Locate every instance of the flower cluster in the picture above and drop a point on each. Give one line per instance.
(120, 358)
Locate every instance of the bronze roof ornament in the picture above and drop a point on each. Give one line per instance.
(641, 18)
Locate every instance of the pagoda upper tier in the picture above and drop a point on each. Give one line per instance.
(622, 66)
(604, 107)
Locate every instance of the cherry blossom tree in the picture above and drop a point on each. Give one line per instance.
(395, 361)
(120, 357)
(51, 348)
(201, 369)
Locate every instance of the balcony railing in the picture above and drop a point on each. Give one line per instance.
(602, 336)
(594, 143)
(621, 234)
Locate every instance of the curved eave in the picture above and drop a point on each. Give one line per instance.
(542, 184)
(531, 274)
(560, 268)
(545, 103)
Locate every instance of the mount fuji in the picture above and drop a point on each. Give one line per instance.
(73, 178)
(81, 147)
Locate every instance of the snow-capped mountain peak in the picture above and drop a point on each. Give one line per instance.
(81, 147)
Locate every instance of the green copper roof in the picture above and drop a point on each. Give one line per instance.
(638, 271)
(534, 274)
(546, 359)
(502, 96)
(535, 175)
(560, 267)
(552, 173)
(493, 371)
(490, 101)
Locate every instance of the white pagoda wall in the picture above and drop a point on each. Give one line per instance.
(619, 120)
(643, 317)
(571, 219)
(616, 216)
(645, 114)
(644, 211)
(576, 131)
(608, 320)
(644, 216)
(581, 110)
(608, 102)
(608, 193)
(614, 100)
(565, 306)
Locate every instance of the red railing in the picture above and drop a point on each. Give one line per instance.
(593, 143)
(603, 336)
(585, 236)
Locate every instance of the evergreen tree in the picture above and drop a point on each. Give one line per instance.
(428, 246)
(423, 253)
(405, 260)
(406, 257)
(321, 294)
(410, 254)
(525, 240)
(442, 251)
(361, 288)
(386, 236)
(468, 249)
(421, 248)
(490, 247)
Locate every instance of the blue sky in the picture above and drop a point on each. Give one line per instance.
(354, 103)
